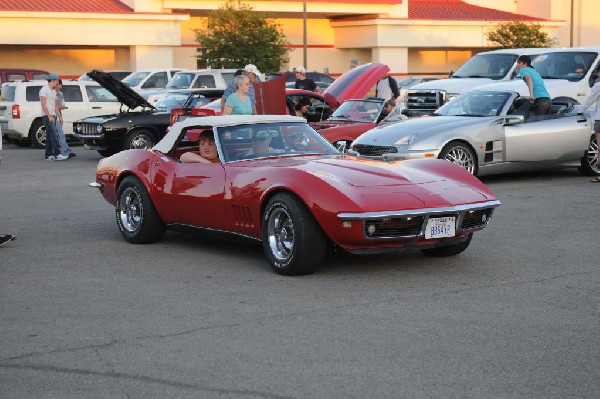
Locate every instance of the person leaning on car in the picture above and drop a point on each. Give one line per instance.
(538, 95)
(594, 97)
(207, 150)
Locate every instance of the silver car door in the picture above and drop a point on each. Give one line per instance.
(561, 138)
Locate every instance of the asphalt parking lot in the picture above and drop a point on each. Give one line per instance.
(86, 315)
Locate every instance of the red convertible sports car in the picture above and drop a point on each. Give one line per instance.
(281, 183)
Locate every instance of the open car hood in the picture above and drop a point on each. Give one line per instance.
(355, 83)
(124, 94)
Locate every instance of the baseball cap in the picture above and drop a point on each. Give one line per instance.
(300, 69)
(53, 76)
(252, 68)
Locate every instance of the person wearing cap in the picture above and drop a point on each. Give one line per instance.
(49, 118)
(538, 95)
(62, 140)
(304, 83)
(252, 72)
(594, 97)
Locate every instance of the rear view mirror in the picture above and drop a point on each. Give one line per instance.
(514, 120)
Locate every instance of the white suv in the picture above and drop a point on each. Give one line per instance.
(21, 111)
(196, 79)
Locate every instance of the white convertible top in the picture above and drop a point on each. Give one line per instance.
(208, 122)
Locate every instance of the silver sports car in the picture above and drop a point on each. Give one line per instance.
(490, 132)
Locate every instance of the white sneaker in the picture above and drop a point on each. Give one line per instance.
(61, 157)
(51, 158)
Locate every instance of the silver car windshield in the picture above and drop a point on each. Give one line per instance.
(475, 103)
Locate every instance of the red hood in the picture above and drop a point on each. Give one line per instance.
(356, 83)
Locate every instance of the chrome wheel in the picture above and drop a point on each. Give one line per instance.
(461, 155)
(40, 136)
(140, 140)
(130, 210)
(592, 156)
(280, 233)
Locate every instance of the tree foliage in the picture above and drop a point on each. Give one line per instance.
(517, 34)
(235, 35)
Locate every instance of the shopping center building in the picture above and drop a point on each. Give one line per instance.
(414, 37)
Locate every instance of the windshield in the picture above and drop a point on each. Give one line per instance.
(172, 100)
(570, 65)
(135, 78)
(492, 66)
(358, 111)
(181, 80)
(475, 103)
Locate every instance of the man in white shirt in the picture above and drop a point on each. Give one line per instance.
(387, 88)
(594, 97)
(49, 117)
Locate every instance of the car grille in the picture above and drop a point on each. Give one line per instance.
(395, 227)
(476, 219)
(88, 129)
(424, 102)
(373, 150)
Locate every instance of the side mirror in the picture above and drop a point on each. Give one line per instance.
(514, 120)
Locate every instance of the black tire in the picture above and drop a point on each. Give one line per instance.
(449, 250)
(460, 154)
(37, 134)
(137, 218)
(292, 239)
(108, 152)
(141, 139)
(589, 162)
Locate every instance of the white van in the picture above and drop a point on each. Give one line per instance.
(483, 68)
(566, 72)
(150, 79)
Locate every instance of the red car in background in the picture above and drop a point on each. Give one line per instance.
(272, 98)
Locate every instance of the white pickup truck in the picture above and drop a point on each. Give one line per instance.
(483, 68)
(567, 72)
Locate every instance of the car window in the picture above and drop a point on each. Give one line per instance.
(72, 94)
(39, 76)
(158, 80)
(475, 103)
(181, 80)
(32, 93)
(228, 76)
(12, 76)
(8, 93)
(207, 81)
(98, 94)
(135, 78)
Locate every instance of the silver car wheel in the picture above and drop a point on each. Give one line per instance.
(280, 233)
(592, 156)
(130, 210)
(462, 156)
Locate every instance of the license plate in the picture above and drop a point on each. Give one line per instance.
(440, 227)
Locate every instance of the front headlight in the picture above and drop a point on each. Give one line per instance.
(99, 129)
(451, 96)
(406, 140)
(78, 128)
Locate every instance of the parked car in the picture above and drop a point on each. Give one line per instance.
(298, 198)
(353, 118)
(150, 79)
(407, 83)
(21, 112)
(321, 79)
(274, 99)
(15, 74)
(139, 125)
(198, 79)
(117, 74)
(487, 132)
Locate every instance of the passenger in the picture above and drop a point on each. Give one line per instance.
(207, 150)
(261, 144)
(240, 102)
(538, 95)
(302, 107)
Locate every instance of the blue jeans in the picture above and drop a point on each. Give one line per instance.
(51, 147)
(62, 140)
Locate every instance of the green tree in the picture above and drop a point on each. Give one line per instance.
(235, 35)
(517, 34)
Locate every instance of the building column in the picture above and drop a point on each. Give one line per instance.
(145, 57)
(394, 57)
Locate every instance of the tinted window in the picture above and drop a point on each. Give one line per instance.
(228, 76)
(98, 94)
(39, 76)
(32, 93)
(8, 93)
(13, 76)
(493, 66)
(181, 80)
(570, 65)
(207, 81)
(72, 94)
(158, 80)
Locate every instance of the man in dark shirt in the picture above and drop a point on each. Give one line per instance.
(304, 83)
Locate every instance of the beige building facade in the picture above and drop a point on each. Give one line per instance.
(159, 33)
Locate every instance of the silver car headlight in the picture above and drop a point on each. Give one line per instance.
(407, 140)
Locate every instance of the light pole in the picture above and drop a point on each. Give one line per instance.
(305, 62)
